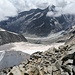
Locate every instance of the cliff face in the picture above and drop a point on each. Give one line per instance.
(8, 37)
(49, 62)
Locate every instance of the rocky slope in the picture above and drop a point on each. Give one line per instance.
(37, 22)
(8, 37)
(71, 35)
(11, 58)
(44, 63)
(51, 62)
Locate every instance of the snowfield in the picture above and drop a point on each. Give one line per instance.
(28, 47)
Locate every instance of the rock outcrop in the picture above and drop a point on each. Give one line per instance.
(49, 62)
(8, 37)
(71, 39)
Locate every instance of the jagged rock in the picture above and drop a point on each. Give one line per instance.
(33, 70)
(39, 60)
(15, 71)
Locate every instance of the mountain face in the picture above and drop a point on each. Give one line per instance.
(37, 22)
(8, 37)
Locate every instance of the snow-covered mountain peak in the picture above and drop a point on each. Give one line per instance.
(13, 7)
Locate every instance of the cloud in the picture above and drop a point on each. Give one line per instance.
(69, 9)
(6, 9)
(50, 13)
(12, 7)
(63, 7)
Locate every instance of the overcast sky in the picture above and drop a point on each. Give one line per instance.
(12, 7)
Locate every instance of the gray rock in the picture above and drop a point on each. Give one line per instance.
(8, 37)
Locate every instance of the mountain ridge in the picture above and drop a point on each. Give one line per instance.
(37, 22)
(9, 37)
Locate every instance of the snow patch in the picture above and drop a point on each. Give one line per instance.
(2, 29)
(12, 32)
(37, 14)
(2, 55)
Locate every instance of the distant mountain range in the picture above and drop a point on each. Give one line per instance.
(37, 22)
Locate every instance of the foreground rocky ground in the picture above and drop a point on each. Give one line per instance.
(54, 61)
(44, 63)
